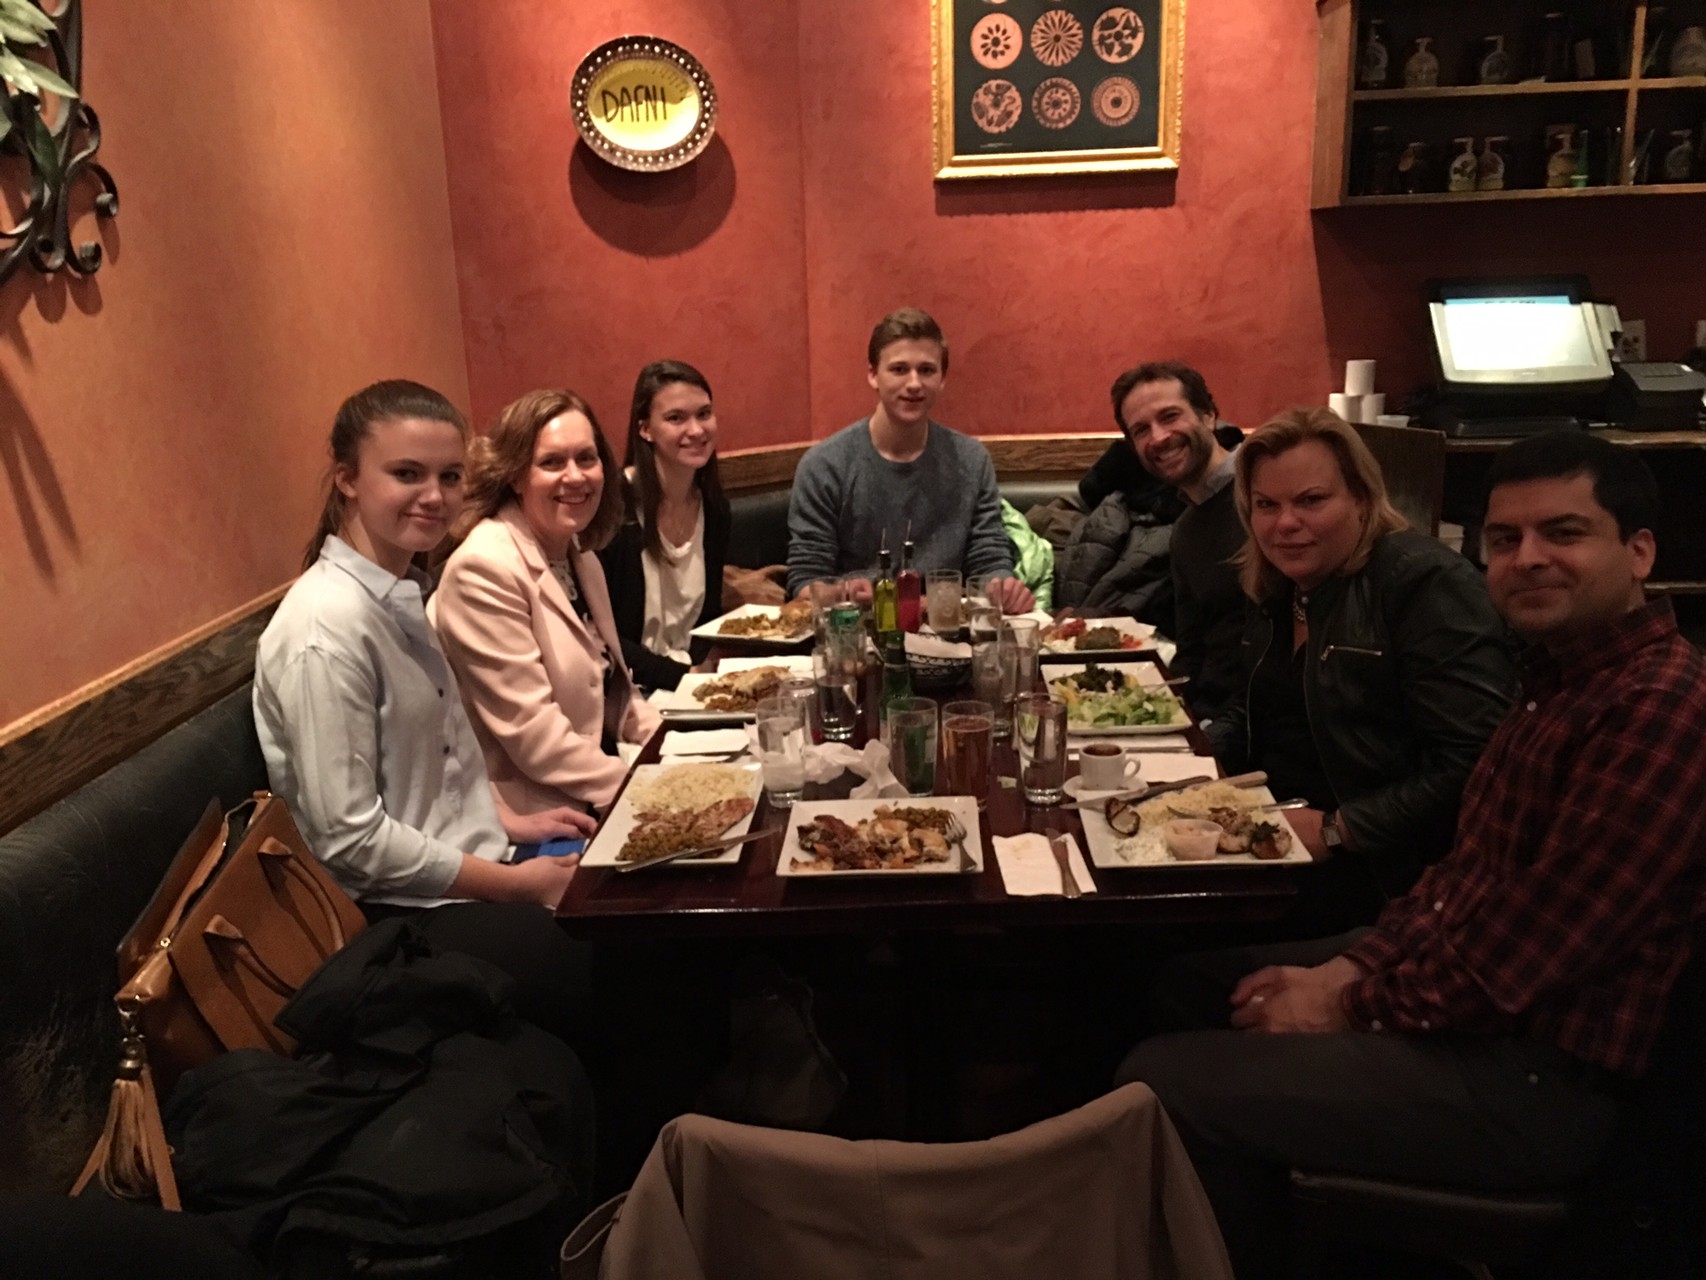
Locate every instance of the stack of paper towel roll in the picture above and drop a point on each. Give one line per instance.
(1359, 401)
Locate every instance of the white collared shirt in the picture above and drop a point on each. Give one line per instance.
(365, 736)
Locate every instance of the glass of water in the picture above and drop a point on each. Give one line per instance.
(837, 679)
(943, 589)
(992, 672)
(912, 744)
(1039, 729)
(983, 611)
(782, 748)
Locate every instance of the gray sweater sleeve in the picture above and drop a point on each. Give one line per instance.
(814, 510)
(987, 548)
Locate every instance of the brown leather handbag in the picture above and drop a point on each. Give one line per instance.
(222, 946)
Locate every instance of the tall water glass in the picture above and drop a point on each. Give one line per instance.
(782, 748)
(1039, 728)
(837, 683)
(912, 744)
(943, 589)
(1021, 638)
(992, 681)
(824, 594)
(968, 732)
(983, 610)
(802, 688)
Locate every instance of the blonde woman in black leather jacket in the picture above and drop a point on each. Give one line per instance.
(1376, 668)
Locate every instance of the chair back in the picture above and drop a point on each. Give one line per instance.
(1413, 461)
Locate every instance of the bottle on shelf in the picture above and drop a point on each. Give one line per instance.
(1375, 64)
(1464, 166)
(1413, 169)
(1495, 65)
(1553, 60)
(1382, 162)
(1560, 156)
(1422, 69)
(1679, 157)
(1494, 163)
(1582, 177)
(909, 589)
(1688, 54)
(885, 610)
(1653, 60)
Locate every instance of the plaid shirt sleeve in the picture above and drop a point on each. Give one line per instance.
(1629, 821)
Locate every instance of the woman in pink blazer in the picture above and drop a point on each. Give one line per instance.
(524, 615)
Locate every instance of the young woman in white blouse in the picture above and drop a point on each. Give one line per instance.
(523, 613)
(665, 564)
(362, 725)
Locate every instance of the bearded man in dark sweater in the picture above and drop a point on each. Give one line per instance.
(1170, 420)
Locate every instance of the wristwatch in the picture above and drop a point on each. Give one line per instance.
(1330, 831)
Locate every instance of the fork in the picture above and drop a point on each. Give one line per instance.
(1057, 846)
(956, 833)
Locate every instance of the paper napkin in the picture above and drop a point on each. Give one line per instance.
(1028, 868)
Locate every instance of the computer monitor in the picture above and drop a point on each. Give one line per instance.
(1521, 337)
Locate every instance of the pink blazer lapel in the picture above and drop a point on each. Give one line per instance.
(550, 589)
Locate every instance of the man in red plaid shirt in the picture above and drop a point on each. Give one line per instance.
(1483, 1033)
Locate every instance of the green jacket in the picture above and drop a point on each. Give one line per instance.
(1033, 558)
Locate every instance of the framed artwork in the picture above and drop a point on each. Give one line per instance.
(1031, 87)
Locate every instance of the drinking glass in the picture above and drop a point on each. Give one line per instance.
(1039, 727)
(968, 732)
(837, 682)
(824, 594)
(992, 672)
(782, 748)
(983, 611)
(912, 744)
(802, 688)
(1022, 639)
(942, 592)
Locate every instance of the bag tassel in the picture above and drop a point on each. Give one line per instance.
(134, 1162)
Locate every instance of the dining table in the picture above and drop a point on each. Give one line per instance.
(749, 898)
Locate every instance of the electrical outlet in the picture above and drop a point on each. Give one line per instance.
(1632, 346)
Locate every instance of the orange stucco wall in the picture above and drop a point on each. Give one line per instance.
(768, 261)
(284, 237)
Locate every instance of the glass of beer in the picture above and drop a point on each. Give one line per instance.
(968, 736)
(943, 593)
(1039, 730)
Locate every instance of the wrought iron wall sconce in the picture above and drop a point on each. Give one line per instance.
(48, 143)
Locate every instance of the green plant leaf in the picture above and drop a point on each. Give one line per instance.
(16, 72)
(44, 150)
(14, 32)
(27, 15)
(48, 79)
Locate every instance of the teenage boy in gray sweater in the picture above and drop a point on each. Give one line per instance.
(870, 482)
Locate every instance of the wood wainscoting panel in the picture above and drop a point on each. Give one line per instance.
(49, 754)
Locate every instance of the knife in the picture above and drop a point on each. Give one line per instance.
(1068, 881)
(1256, 779)
(716, 846)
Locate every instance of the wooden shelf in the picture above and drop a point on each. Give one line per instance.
(1695, 439)
(1671, 82)
(1684, 587)
(1537, 88)
(1530, 193)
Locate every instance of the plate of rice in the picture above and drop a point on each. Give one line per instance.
(675, 791)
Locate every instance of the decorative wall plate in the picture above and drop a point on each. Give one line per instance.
(643, 103)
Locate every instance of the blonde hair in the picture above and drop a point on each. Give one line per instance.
(499, 459)
(1357, 467)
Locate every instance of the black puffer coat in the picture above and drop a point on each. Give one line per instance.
(1116, 561)
(1409, 671)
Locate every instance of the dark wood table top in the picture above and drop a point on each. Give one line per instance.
(750, 899)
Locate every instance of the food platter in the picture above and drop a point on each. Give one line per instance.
(853, 812)
(733, 690)
(1148, 849)
(613, 834)
(1145, 674)
(761, 626)
(1063, 637)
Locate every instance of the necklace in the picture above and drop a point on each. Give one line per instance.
(678, 523)
(1298, 614)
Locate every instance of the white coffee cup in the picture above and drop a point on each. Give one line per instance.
(1106, 766)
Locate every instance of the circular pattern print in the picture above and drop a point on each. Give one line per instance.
(996, 106)
(996, 41)
(1117, 35)
(1056, 38)
(1115, 101)
(1056, 102)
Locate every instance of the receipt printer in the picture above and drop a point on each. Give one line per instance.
(1657, 397)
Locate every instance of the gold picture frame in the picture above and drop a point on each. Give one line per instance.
(1030, 88)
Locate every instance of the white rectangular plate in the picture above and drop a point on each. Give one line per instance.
(1125, 626)
(1148, 847)
(1148, 675)
(855, 811)
(798, 662)
(710, 630)
(622, 820)
(680, 704)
